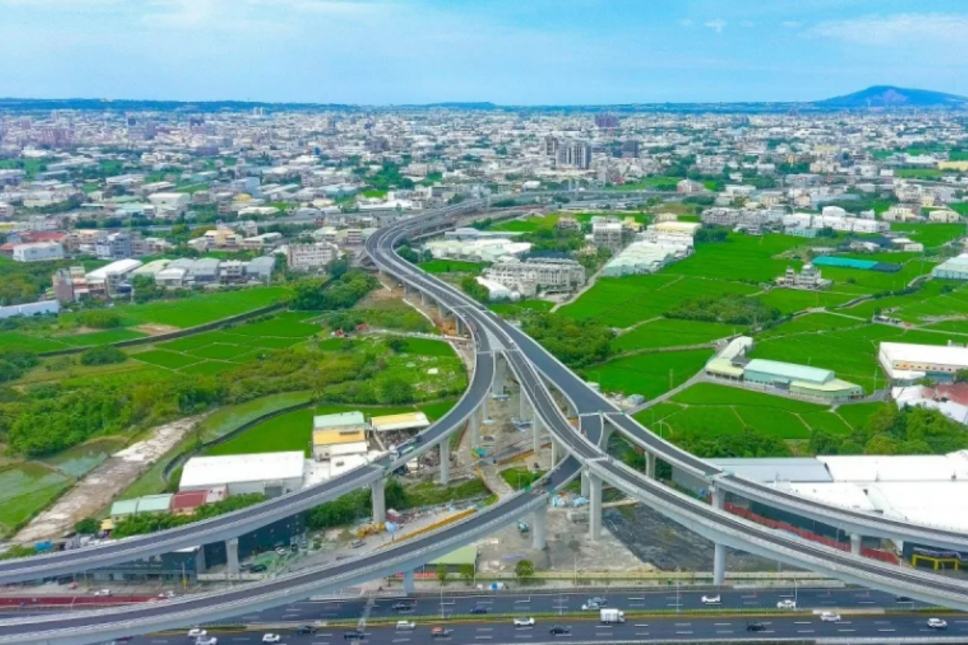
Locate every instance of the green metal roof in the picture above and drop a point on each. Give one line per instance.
(338, 420)
(790, 371)
(464, 555)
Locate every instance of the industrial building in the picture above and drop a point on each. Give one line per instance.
(549, 274)
(800, 380)
(339, 435)
(270, 473)
(952, 269)
(395, 422)
(644, 257)
(496, 290)
(477, 250)
(906, 363)
(311, 257)
(38, 252)
(671, 233)
(41, 308)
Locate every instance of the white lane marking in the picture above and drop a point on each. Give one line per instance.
(805, 631)
(524, 635)
(641, 624)
(887, 630)
(642, 598)
(483, 638)
(801, 622)
(522, 600)
(683, 633)
(768, 631)
(722, 624)
(846, 630)
(401, 640)
(485, 629)
(749, 596)
(641, 633)
(724, 631)
(683, 624)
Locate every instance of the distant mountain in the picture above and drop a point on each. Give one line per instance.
(886, 96)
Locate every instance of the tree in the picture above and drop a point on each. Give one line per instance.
(103, 355)
(442, 573)
(87, 526)
(524, 570)
(466, 572)
(396, 391)
(397, 344)
(961, 376)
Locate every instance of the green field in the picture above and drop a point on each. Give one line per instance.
(208, 367)
(742, 257)
(288, 324)
(713, 410)
(427, 347)
(452, 266)
(648, 374)
(33, 343)
(812, 323)
(162, 358)
(293, 430)
(515, 309)
(666, 332)
(926, 304)
(100, 337)
(790, 301)
(527, 224)
(623, 302)
(851, 353)
(25, 489)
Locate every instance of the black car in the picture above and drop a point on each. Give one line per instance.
(354, 634)
(902, 599)
(306, 629)
(258, 568)
(401, 606)
(479, 610)
(755, 627)
(559, 629)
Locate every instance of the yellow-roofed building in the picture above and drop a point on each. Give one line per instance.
(339, 435)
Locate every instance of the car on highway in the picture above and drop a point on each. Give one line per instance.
(401, 606)
(102, 593)
(937, 623)
(786, 604)
(271, 638)
(440, 632)
(353, 634)
(829, 616)
(306, 629)
(166, 595)
(902, 599)
(755, 626)
(712, 600)
(206, 640)
(478, 610)
(406, 625)
(197, 632)
(558, 630)
(524, 622)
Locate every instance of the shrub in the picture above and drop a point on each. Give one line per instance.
(104, 355)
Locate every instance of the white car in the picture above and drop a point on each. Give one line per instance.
(102, 593)
(524, 622)
(271, 638)
(787, 604)
(406, 625)
(937, 623)
(197, 632)
(210, 640)
(711, 600)
(829, 617)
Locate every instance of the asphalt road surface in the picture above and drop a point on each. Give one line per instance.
(805, 626)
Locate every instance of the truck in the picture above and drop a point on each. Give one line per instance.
(612, 616)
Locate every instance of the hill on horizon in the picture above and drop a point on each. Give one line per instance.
(889, 96)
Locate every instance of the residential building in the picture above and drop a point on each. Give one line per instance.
(311, 257)
(38, 252)
(809, 278)
(607, 234)
(116, 246)
(574, 154)
(535, 274)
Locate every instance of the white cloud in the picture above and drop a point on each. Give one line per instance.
(791, 24)
(717, 25)
(897, 29)
(686, 22)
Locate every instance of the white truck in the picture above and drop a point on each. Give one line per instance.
(611, 616)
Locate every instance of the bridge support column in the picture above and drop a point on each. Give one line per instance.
(536, 430)
(606, 434)
(378, 495)
(232, 555)
(423, 299)
(539, 530)
(585, 484)
(594, 507)
(525, 406)
(445, 462)
(474, 426)
(719, 554)
(500, 372)
(855, 543)
(650, 465)
(556, 451)
(458, 327)
(409, 586)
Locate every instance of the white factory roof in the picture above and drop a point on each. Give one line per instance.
(205, 472)
(932, 503)
(407, 421)
(925, 354)
(120, 267)
(845, 495)
(896, 468)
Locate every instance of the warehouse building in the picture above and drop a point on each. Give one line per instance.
(270, 473)
(800, 380)
(952, 269)
(905, 363)
(644, 257)
(339, 435)
(395, 422)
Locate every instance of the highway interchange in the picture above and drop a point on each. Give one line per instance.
(526, 359)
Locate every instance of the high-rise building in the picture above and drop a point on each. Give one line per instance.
(551, 145)
(630, 149)
(606, 120)
(575, 154)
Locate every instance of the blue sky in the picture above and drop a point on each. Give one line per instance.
(505, 51)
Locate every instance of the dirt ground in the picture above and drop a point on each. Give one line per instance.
(154, 329)
(99, 487)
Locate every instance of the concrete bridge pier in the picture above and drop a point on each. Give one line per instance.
(855, 543)
(539, 529)
(378, 495)
(650, 465)
(585, 484)
(525, 406)
(500, 374)
(536, 431)
(409, 586)
(474, 425)
(445, 462)
(423, 299)
(232, 556)
(594, 507)
(719, 554)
